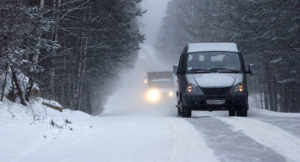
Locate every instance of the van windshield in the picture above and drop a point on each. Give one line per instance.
(227, 62)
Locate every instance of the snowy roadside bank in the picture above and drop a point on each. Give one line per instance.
(256, 112)
(36, 113)
(25, 129)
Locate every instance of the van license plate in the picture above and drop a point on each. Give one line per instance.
(215, 102)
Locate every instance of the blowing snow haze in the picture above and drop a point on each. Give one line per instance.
(151, 21)
(132, 88)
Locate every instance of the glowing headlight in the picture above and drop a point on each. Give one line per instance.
(145, 81)
(153, 95)
(189, 88)
(239, 88)
(171, 94)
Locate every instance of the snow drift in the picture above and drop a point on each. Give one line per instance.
(25, 129)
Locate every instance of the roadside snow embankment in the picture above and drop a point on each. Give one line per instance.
(25, 129)
(36, 113)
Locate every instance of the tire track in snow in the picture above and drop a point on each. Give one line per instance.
(268, 135)
(231, 146)
(188, 143)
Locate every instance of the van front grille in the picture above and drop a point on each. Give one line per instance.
(216, 91)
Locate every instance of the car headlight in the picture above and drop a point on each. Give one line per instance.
(171, 94)
(239, 88)
(153, 95)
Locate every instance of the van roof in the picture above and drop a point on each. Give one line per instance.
(200, 47)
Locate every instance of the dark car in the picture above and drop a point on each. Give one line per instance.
(212, 76)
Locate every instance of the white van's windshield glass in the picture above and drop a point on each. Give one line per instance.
(227, 62)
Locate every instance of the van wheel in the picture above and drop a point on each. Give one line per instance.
(231, 112)
(186, 112)
(179, 113)
(243, 111)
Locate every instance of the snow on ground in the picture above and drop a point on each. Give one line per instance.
(129, 139)
(270, 136)
(27, 135)
(257, 112)
(256, 109)
(24, 130)
(114, 137)
(262, 136)
(229, 145)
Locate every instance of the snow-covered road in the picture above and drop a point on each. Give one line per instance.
(127, 139)
(207, 137)
(261, 137)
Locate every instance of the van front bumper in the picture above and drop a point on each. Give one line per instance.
(199, 102)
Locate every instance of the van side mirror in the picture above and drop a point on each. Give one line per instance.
(175, 70)
(251, 69)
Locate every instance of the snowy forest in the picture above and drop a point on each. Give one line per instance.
(267, 33)
(71, 51)
(68, 51)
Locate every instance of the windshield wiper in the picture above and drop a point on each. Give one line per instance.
(223, 70)
(199, 71)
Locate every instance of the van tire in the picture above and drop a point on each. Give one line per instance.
(242, 112)
(231, 112)
(179, 113)
(186, 112)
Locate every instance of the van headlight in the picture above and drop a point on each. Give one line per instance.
(191, 88)
(239, 88)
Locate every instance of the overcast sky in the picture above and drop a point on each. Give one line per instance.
(151, 21)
